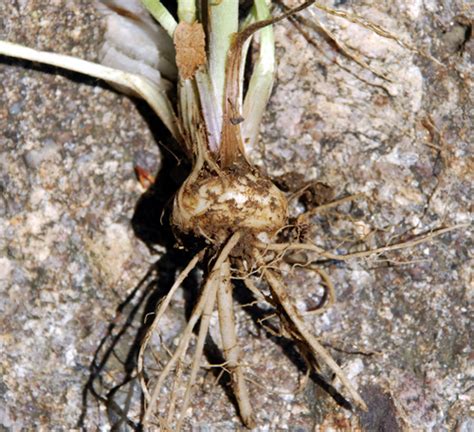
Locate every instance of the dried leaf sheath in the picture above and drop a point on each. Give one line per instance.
(189, 41)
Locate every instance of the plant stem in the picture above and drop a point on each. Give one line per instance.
(187, 10)
(161, 14)
(261, 81)
(223, 22)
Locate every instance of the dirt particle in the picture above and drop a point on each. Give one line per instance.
(189, 41)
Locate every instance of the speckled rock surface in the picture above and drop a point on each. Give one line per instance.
(400, 326)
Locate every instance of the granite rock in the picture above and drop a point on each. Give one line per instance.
(400, 133)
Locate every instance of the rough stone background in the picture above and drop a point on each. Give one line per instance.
(69, 257)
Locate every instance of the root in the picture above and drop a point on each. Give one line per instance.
(329, 296)
(204, 303)
(174, 392)
(330, 293)
(379, 30)
(231, 348)
(346, 51)
(293, 322)
(255, 291)
(298, 328)
(298, 22)
(363, 254)
(158, 314)
(303, 218)
(214, 282)
(178, 354)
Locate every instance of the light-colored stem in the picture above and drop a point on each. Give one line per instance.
(261, 81)
(231, 348)
(187, 10)
(161, 14)
(281, 296)
(223, 23)
(138, 84)
(211, 110)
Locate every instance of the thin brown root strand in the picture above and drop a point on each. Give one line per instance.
(220, 375)
(363, 254)
(330, 293)
(270, 262)
(306, 337)
(298, 21)
(345, 51)
(163, 305)
(278, 333)
(251, 285)
(363, 22)
(303, 218)
(230, 346)
(254, 290)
